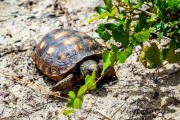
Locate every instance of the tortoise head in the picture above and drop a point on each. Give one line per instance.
(88, 66)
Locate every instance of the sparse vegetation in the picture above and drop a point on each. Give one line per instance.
(130, 25)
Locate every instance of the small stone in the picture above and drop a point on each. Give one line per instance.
(160, 114)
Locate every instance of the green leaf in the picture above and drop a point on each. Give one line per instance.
(121, 16)
(127, 24)
(160, 36)
(114, 10)
(140, 3)
(164, 52)
(71, 95)
(130, 2)
(173, 4)
(172, 56)
(133, 41)
(142, 36)
(71, 98)
(162, 8)
(151, 55)
(108, 59)
(123, 55)
(121, 36)
(142, 23)
(116, 33)
(153, 18)
(89, 20)
(100, 9)
(108, 4)
(90, 81)
(77, 103)
(129, 50)
(111, 26)
(103, 32)
(115, 49)
(98, 16)
(143, 59)
(161, 31)
(67, 112)
(82, 91)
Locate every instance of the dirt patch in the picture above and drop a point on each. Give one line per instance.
(134, 95)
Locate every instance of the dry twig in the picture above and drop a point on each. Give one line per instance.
(103, 114)
(31, 85)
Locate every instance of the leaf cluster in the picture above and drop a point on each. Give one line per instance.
(129, 25)
(76, 100)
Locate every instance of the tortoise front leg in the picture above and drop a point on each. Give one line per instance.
(67, 82)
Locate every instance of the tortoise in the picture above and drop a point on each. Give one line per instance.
(67, 56)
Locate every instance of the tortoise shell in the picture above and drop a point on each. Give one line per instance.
(60, 51)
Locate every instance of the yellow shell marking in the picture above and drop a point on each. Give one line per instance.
(89, 42)
(70, 40)
(51, 50)
(63, 56)
(76, 49)
(61, 34)
(40, 64)
(80, 46)
(46, 70)
(54, 71)
(42, 44)
(74, 39)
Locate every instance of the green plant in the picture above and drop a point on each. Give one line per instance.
(129, 25)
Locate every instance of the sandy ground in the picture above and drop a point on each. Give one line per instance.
(133, 96)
